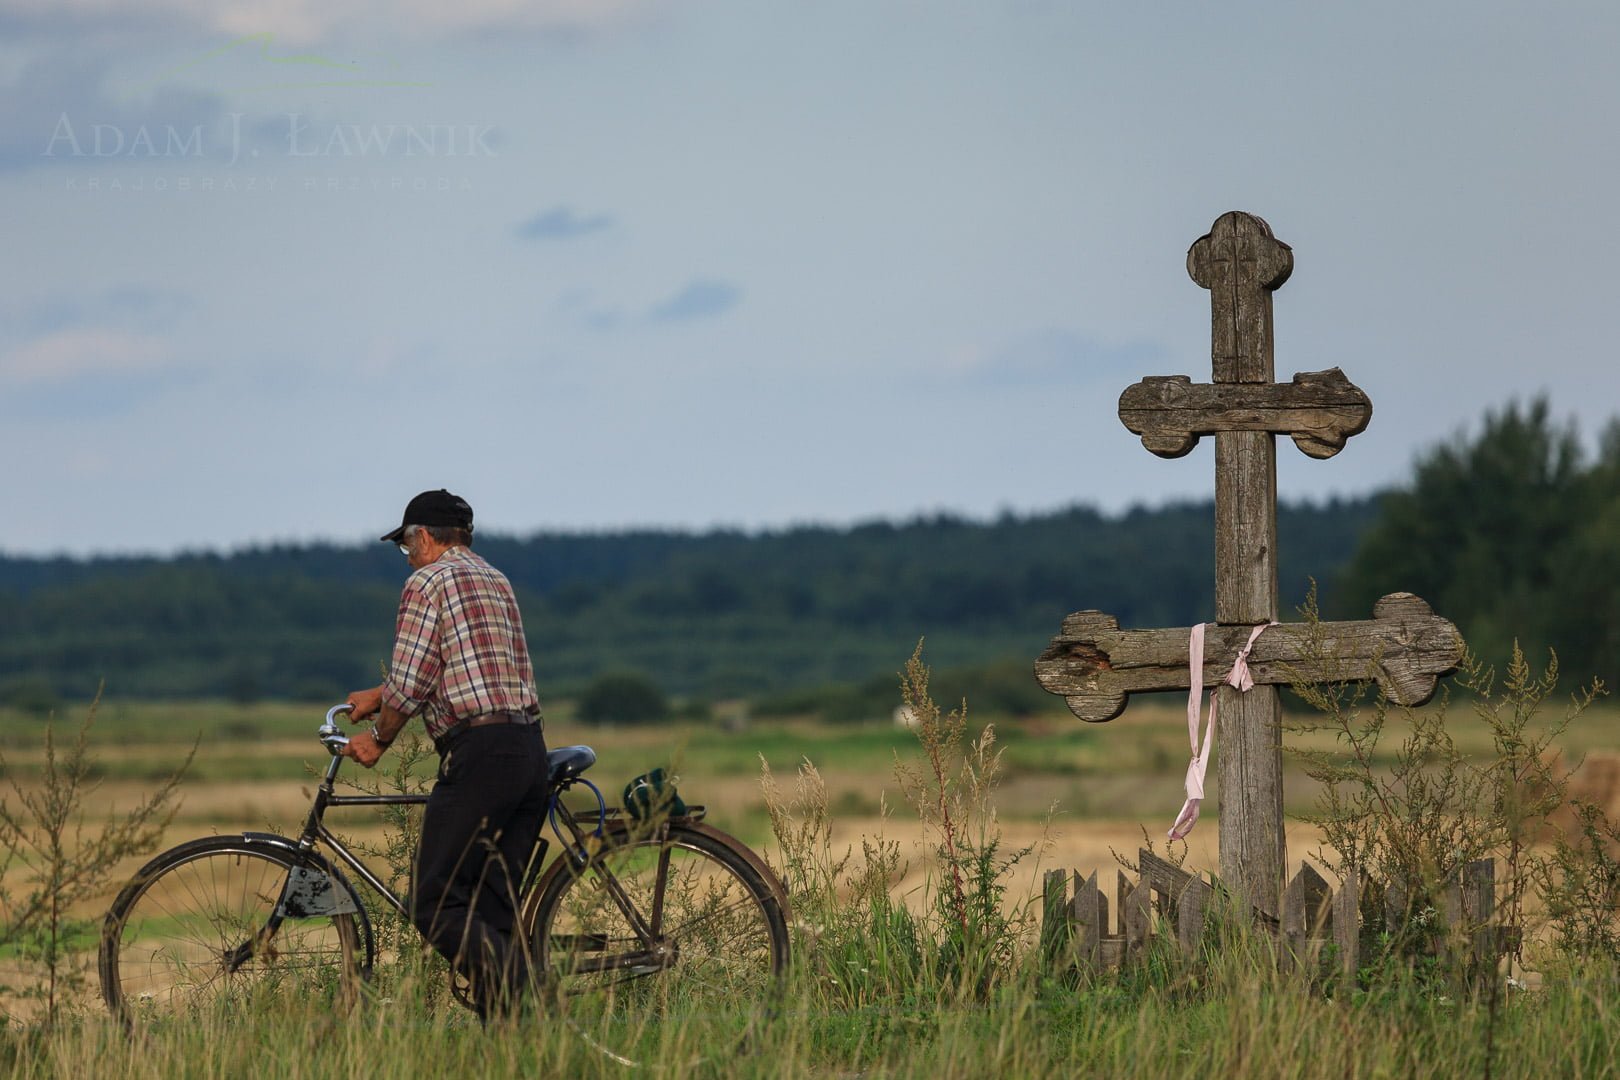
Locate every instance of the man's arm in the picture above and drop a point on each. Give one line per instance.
(412, 674)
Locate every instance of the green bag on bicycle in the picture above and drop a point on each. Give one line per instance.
(650, 794)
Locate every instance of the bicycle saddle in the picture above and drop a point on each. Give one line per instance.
(568, 762)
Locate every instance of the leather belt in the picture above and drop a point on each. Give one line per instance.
(442, 742)
(496, 718)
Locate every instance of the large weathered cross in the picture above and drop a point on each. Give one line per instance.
(1095, 665)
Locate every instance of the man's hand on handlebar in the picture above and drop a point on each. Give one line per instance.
(363, 748)
(364, 703)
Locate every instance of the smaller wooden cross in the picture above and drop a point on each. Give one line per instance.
(1095, 665)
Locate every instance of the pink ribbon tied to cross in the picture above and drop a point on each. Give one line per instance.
(1238, 677)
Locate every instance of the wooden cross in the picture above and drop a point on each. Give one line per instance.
(1406, 647)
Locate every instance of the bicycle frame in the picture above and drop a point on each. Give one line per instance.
(316, 832)
(572, 840)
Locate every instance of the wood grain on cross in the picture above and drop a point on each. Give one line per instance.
(1095, 665)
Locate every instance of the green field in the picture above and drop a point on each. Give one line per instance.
(858, 1003)
(1129, 768)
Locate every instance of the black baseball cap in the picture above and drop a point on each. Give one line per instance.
(439, 508)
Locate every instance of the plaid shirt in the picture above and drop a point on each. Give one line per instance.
(459, 650)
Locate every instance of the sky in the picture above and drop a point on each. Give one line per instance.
(270, 268)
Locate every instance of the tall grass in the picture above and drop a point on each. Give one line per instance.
(1239, 1018)
(944, 979)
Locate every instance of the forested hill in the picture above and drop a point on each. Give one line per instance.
(712, 614)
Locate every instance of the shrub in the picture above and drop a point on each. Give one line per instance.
(1412, 818)
(30, 694)
(624, 698)
(62, 863)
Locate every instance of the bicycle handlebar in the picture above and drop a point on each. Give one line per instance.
(332, 736)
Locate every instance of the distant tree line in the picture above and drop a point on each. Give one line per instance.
(1513, 533)
(714, 615)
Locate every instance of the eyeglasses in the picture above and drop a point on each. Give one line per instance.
(406, 539)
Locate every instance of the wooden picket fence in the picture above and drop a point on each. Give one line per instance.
(1076, 931)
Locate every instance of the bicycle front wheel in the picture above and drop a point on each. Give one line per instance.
(206, 926)
(664, 949)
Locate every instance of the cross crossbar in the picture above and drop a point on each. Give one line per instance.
(1320, 410)
(1095, 666)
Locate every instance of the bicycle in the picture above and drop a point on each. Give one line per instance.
(644, 932)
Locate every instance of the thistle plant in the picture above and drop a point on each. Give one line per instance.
(64, 861)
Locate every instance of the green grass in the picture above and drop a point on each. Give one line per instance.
(872, 993)
(1193, 1023)
(172, 722)
(1143, 752)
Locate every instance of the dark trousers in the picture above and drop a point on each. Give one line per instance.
(479, 830)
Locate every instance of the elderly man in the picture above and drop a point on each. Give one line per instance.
(461, 663)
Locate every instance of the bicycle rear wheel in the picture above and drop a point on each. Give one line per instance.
(665, 949)
(212, 924)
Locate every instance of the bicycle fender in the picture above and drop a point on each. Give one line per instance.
(752, 858)
(275, 840)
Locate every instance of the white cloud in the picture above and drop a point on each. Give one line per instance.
(69, 354)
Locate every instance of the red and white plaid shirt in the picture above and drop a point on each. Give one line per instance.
(459, 650)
